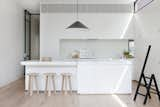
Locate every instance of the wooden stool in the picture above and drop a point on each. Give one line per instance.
(66, 77)
(33, 76)
(50, 76)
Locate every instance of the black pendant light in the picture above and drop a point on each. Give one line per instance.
(77, 24)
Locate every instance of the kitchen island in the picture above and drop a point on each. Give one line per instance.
(89, 76)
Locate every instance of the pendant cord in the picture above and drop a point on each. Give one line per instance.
(77, 11)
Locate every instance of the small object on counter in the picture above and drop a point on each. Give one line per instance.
(46, 59)
(127, 55)
(75, 54)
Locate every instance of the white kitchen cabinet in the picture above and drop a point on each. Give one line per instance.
(104, 77)
(88, 76)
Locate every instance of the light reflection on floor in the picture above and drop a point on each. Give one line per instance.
(119, 101)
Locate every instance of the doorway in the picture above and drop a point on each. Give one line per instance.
(32, 36)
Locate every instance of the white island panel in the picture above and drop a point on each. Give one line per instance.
(104, 77)
(88, 76)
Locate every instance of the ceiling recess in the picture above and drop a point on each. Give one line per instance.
(87, 8)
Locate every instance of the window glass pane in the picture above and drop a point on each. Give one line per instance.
(142, 3)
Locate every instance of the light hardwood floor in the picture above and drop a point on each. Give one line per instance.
(13, 96)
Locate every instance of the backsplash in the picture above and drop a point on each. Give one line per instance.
(93, 48)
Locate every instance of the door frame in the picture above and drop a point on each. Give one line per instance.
(27, 19)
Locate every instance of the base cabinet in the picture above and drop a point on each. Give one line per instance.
(104, 78)
(88, 77)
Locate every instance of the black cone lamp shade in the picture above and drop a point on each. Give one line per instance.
(77, 24)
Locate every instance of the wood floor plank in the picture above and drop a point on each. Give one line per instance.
(13, 95)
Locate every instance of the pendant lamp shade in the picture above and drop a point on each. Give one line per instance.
(77, 24)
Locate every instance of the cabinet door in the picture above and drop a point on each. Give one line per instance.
(102, 77)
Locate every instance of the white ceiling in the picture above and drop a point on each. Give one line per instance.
(33, 5)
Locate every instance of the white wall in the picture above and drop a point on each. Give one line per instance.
(101, 26)
(147, 29)
(11, 41)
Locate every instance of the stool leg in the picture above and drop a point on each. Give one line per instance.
(54, 85)
(62, 84)
(36, 83)
(66, 85)
(31, 85)
(46, 84)
(49, 90)
(70, 84)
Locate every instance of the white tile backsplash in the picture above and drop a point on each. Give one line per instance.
(98, 48)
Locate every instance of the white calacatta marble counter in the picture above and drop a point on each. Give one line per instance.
(74, 62)
(90, 76)
(49, 63)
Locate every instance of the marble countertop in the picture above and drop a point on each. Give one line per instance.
(74, 62)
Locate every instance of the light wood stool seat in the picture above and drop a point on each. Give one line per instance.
(66, 77)
(33, 76)
(49, 77)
